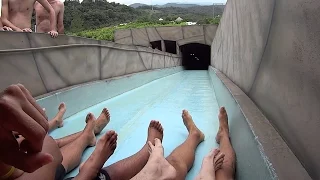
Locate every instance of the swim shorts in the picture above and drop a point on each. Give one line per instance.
(60, 172)
(102, 175)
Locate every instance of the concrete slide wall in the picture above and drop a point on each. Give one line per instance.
(271, 50)
(203, 34)
(52, 64)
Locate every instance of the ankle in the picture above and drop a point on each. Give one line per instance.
(195, 134)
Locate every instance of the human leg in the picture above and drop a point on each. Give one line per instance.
(210, 164)
(57, 121)
(101, 122)
(129, 167)
(182, 157)
(72, 152)
(227, 170)
(157, 167)
(104, 149)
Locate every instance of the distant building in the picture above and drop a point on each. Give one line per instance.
(160, 19)
(191, 23)
(179, 19)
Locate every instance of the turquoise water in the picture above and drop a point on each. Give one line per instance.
(163, 100)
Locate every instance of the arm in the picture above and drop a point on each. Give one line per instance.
(60, 20)
(5, 16)
(53, 19)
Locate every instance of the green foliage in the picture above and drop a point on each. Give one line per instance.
(99, 19)
(95, 14)
(215, 20)
(107, 33)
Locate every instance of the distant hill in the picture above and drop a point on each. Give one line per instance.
(190, 13)
(178, 5)
(136, 5)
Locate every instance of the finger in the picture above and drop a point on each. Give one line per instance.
(27, 162)
(29, 97)
(27, 127)
(29, 109)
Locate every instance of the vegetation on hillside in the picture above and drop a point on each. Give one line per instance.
(99, 19)
(107, 33)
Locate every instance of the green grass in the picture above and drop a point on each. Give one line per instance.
(107, 33)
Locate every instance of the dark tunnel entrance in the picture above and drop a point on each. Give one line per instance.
(195, 56)
(156, 45)
(171, 46)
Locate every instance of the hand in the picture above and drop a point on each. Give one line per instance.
(53, 33)
(20, 113)
(26, 30)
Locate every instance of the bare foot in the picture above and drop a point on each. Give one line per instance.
(157, 167)
(59, 117)
(105, 148)
(155, 130)
(210, 164)
(223, 125)
(89, 129)
(102, 121)
(192, 128)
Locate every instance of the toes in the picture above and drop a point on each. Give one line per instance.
(219, 161)
(218, 158)
(158, 126)
(150, 147)
(114, 138)
(107, 135)
(218, 166)
(157, 142)
(152, 123)
(88, 117)
(62, 105)
(213, 153)
(105, 111)
(114, 146)
(184, 112)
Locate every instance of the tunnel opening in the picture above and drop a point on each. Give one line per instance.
(195, 56)
(171, 46)
(156, 45)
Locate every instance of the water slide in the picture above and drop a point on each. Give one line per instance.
(263, 69)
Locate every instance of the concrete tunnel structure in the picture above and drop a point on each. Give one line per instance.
(264, 69)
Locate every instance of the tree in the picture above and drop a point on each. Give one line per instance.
(77, 22)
